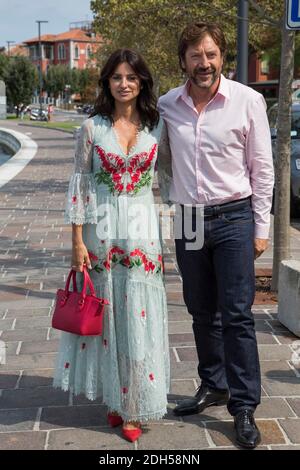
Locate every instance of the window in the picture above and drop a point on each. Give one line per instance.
(61, 51)
(76, 52)
(88, 52)
(264, 63)
(33, 52)
(48, 51)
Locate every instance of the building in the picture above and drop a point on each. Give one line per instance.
(74, 48)
(263, 78)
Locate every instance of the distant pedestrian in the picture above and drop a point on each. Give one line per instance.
(49, 111)
(22, 110)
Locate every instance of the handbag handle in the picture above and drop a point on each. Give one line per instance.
(86, 282)
(72, 274)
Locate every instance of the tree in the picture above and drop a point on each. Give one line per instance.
(21, 80)
(152, 27)
(283, 170)
(89, 85)
(58, 76)
(3, 65)
(80, 81)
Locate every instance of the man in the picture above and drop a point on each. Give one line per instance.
(221, 158)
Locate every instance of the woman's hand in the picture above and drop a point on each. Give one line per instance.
(80, 257)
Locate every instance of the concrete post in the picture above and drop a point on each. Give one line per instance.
(2, 100)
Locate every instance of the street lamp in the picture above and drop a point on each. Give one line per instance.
(41, 63)
(8, 46)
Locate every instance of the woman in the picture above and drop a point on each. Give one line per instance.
(114, 227)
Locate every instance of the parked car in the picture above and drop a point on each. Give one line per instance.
(37, 114)
(295, 151)
(296, 95)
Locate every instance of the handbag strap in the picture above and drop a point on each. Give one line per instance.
(87, 282)
(72, 274)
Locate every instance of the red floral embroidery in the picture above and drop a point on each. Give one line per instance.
(89, 142)
(115, 167)
(105, 343)
(136, 258)
(151, 376)
(87, 198)
(143, 314)
(92, 256)
(74, 199)
(124, 390)
(67, 364)
(83, 346)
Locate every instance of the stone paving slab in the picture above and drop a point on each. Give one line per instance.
(34, 259)
(23, 440)
(222, 432)
(88, 439)
(292, 429)
(18, 420)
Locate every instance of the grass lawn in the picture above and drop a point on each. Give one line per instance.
(67, 125)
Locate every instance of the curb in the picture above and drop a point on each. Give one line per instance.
(17, 163)
(47, 128)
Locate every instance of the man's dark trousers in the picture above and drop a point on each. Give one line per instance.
(219, 289)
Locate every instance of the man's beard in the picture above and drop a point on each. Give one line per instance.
(214, 76)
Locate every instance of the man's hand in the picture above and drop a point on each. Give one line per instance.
(260, 245)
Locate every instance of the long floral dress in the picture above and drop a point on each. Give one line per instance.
(110, 193)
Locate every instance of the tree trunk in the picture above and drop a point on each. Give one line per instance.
(283, 155)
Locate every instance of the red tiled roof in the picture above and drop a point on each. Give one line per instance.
(44, 38)
(73, 35)
(18, 50)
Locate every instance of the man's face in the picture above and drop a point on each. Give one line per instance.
(203, 62)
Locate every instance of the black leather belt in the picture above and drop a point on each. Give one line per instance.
(226, 207)
(213, 211)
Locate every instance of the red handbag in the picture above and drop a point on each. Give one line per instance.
(78, 312)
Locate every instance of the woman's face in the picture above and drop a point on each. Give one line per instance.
(124, 84)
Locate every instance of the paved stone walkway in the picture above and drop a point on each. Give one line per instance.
(35, 257)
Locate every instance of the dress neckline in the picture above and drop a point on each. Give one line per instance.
(133, 147)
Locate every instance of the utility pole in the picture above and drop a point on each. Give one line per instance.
(41, 63)
(242, 42)
(8, 46)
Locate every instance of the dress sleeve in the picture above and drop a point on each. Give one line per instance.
(164, 166)
(81, 206)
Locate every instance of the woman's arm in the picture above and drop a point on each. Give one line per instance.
(82, 199)
(79, 251)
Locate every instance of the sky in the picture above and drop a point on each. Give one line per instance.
(17, 17)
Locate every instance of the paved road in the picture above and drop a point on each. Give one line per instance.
(35, 256)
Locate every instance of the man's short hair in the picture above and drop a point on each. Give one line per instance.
(195, 32)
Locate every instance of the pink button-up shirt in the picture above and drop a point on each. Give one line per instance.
(222, 154)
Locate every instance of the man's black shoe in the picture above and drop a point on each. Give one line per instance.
(247, 433)
(204, 397)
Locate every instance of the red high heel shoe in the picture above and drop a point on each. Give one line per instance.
(132, 434)
(114, 420)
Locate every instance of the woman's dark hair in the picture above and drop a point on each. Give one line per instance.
(146, 100)
(195, 32)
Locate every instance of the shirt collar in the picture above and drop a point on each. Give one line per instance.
(222, 90)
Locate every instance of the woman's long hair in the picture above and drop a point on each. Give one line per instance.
(146, 100)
